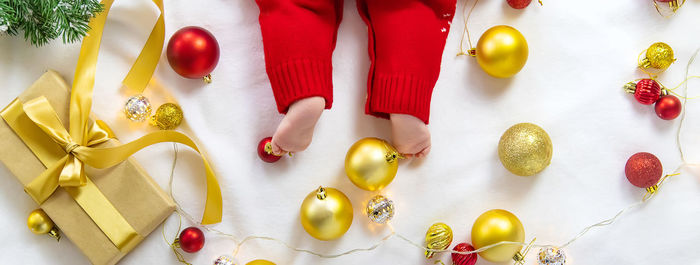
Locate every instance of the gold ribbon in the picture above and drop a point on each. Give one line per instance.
(64, 153)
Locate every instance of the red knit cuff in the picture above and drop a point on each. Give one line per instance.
(301, 78)
(400, 93)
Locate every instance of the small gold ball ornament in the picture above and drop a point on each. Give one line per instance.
(326, 213)
(260, 262)
(40, 223)
(659, 55)
(371, 163)
(168, 116)
(525, 149)
(439, 236)
(502, 51)
(495, 226)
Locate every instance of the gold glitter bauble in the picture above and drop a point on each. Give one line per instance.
(502, 51)
(371, 164)
(525, 149)
(659, 55)
(495, 226)
(326, 213)
(168, 116)
(439, 236)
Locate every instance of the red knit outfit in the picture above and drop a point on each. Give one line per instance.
(406, 40)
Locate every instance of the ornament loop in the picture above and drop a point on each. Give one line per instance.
(519, 256)
(55, 233)
(207, 79)
(321, 193)
(655, 188)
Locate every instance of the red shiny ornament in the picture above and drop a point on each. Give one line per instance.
(647, 91)
(193, 52)
(668, 107)
(191, 239)
(518, 4)
(643, 170)
(265, 153)
(461, 259)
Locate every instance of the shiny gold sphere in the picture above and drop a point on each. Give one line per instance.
(659, 55)
(371, 164)
(168, 116)
(495, 226)
(525, 149)
(502, 51)
(326, 213)
(438, 236)
(260, 262)
(39, 222)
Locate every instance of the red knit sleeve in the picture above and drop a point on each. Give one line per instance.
(299, 38)
(406, 40)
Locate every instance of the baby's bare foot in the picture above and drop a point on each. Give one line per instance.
(410, 135)
(297, 128)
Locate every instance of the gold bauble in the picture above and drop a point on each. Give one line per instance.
(371, 163)
(495, 226)
(260, 262)
(525, 149)
(39, 222)
(659, 55)
(439, 236)
(168, 116)
(326, 213)
(502, 51)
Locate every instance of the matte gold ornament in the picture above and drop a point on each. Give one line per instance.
(525, 149)
(495, 226)
(659, 55)
(439, 236)
(326, 214)
(168, 116)
(502, 51)
(371, 163)
(40, 223)
(260, 262)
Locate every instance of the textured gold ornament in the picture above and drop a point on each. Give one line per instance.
(168, 116)
(260, 262)
(525, 149)
(659, 55)
(326, 214)
(495, 226)
(439, 236)
(371, 163)
(502, 51)
(40, 223)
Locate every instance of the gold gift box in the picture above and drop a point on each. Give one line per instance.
(127, 186)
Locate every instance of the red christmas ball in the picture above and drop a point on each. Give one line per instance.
(462, 259)
(643, 170)
(647, 91)
(265, 152)
(193, 52)
(191, 239)
(668, 107)
(518, 4)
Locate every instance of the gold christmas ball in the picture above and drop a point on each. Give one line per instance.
(260, 262)
(39, 222)
(326, 214)
(168, 116)
(439, 236)
(525, 149)
(371, 164)
(659, 55)
(502, 51)
(495, 226)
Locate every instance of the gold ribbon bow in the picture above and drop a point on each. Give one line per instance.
(80, 140)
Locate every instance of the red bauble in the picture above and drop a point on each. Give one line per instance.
(191, 239)
(518, 4)
(647, 91)
(266, 154)
(193, 52)
(668, 107)
(643, 170)
(461, 259)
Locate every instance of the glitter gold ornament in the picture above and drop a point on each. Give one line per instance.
(659, 55)
(439, 236)
(168, 116)
(326, 213)
(525, 149)
(371, 163)
(260, 262)
(40, 223)
(502, 51)
(495, 226)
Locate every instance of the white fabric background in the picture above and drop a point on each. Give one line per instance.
(581, 53)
